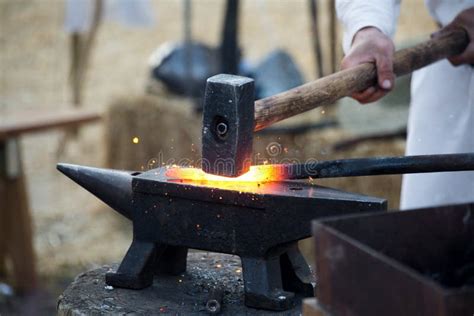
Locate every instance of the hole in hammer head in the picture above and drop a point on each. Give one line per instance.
(221, 127)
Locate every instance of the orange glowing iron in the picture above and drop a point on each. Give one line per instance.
(332, 169)
(261, 173)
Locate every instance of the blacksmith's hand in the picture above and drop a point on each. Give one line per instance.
(370, 45)
(465, 20)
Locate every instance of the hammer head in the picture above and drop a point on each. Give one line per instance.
(228, 125)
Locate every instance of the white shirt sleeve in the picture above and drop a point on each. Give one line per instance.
(357, 14)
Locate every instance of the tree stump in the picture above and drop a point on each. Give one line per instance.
(185, 294)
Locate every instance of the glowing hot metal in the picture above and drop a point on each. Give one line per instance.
(250, 180)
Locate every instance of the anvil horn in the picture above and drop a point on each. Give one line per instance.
(113, 187)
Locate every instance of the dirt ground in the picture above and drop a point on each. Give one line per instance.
(73, 231)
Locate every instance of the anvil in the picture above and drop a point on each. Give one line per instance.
(259, 222)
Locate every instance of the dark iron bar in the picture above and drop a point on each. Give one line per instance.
(378, 166)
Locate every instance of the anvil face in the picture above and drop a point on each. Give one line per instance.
(248, 219)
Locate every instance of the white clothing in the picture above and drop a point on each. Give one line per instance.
(133, 13)
(441, 116)
(441, 121)
(357, 14)
(78, 16)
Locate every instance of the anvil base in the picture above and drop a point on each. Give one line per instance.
(269, 283)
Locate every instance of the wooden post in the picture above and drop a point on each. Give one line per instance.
(16, 235)
(333, 36)
(3, 226)
(315, 37)
(81, 47)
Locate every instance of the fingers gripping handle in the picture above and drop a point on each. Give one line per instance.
(329, 89)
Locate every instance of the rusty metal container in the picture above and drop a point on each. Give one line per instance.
(418, 262)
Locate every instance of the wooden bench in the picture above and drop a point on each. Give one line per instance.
(15, 220)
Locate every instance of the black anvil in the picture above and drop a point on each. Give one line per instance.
(259, 222)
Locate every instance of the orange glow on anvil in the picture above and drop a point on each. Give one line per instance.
(253, 178)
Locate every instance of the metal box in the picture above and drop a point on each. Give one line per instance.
(418, 262)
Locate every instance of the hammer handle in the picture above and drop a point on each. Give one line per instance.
(329, 89)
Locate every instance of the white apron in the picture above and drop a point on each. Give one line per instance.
(441, 121)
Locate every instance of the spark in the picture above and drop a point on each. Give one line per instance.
(135, 140)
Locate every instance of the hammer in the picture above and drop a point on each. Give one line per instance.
(231, 115)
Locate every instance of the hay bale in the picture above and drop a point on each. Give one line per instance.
(144, 132)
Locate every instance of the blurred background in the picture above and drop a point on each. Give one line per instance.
(118, 84)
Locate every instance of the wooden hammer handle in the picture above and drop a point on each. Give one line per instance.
(329, 89)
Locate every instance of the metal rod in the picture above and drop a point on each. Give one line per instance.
(378, 166)
(229, 49)
(333, 35)
(188, 54)
(315, 37)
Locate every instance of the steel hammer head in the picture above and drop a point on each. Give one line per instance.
(228, 125)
